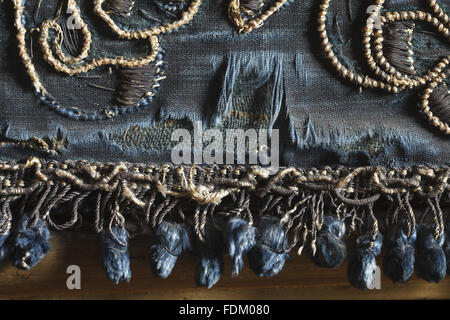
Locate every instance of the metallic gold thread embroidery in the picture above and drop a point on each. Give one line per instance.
(388, 77)
(77, 66)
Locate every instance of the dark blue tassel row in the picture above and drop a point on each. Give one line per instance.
(210, 261)
(171, 240)
(268, 256)
(398, 262)
(362, 266)
(116, 259)
(29, 244)
(330, 249)
(264, 244)
(431, 260)
(241, 238)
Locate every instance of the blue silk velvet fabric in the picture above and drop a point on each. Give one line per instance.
(277, 70)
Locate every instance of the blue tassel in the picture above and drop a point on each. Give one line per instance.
(172, 239)
(3, 237)
(3, 253)
(241, 238)
(116, 258)
(330, 249)
(447, 247)
(209, 270)
(30, 245)
(363, 266)
(431, 261)
(210, 263)
(398, 262)
(267, 257)
(3, 246)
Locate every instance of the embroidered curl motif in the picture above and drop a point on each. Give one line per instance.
(388, 77)
(248, 15)
(78, 66)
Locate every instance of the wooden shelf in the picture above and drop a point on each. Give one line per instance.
(300, 278)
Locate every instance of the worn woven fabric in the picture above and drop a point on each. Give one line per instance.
(318, 110)
(91, 92)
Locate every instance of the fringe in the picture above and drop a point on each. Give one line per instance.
(239, 210)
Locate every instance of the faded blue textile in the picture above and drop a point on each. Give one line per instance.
(172, 239)
(277, 70)
(431, 260)
(30, 243)
(398, 262)
(268, 256)
(241, 238)
(362, 266)
(331, 250)
(116, 258)
(209, 267)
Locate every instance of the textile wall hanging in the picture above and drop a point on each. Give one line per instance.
(248, 130)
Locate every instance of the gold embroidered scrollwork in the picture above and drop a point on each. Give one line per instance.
(388, 77)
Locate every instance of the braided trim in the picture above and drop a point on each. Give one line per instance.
(439, 12)
(442, 126)
(108, 176)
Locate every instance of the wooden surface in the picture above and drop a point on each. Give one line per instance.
(300, 279)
